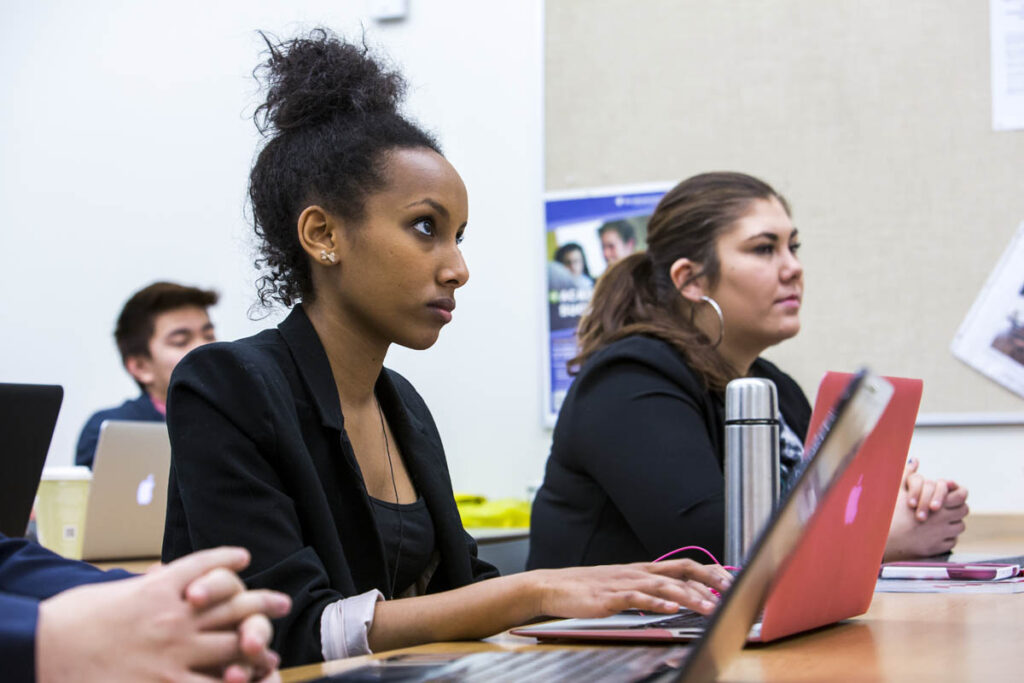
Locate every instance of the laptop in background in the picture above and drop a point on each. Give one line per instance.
(28, 414)
(128, 496)
(835, 447)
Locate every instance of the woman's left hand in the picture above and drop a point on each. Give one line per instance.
(928, 517)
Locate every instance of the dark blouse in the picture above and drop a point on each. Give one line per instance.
(636, 469)
(260, 459)
(408, 535)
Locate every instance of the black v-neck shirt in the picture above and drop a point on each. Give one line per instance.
(408, 534)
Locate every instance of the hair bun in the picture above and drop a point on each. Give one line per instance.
(316, 78)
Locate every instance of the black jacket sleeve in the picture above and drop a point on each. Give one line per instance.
(633, 472)
(229, 487)
(28, 575)
(644, 441)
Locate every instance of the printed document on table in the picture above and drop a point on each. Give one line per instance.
(1014, 585)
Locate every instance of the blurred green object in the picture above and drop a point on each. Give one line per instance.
(478, 512)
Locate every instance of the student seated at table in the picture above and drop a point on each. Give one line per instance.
(635, 469)
(63, 620)
(158, 325)
(298, 444)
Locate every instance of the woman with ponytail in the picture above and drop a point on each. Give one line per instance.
(298, 443)
(635, 469)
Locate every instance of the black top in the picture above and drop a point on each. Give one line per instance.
(260, 459)
(408, 537)
(635, 469)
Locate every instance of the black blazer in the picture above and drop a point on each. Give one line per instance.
(635, 469)
(260, 459)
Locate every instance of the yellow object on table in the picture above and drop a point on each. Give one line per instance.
(477, 511)
(60, 509)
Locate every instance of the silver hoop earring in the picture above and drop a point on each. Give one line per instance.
(718, 311)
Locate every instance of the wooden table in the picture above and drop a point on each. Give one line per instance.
(924, 637)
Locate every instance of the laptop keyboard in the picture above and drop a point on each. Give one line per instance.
(613, 665)
(686, 619)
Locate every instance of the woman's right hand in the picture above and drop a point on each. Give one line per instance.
(664, 587)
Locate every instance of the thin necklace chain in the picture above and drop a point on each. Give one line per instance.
(394, 487)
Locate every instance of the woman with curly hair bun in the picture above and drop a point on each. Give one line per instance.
(299, 445)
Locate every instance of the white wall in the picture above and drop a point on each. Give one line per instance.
(988, 460)
(125, 144)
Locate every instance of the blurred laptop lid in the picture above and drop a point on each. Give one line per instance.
(28, 414)
(128, 497)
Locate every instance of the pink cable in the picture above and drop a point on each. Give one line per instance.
(694, 547)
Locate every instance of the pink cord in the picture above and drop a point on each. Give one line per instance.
(694, 547)
(703, 550)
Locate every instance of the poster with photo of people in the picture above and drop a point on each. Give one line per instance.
(587, 231)
(991, 338)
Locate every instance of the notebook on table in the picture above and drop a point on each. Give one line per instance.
(822, 491)
(127, 504)
(28, 414)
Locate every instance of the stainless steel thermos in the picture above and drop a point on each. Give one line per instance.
(751, 462)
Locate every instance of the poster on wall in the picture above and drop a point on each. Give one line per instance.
(586, 232)
(991, 338)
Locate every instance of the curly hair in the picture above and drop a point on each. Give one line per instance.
(331, 116)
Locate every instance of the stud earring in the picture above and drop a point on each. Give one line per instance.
(327, 256)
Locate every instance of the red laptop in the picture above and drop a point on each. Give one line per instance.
(834, 577)
(832, 571)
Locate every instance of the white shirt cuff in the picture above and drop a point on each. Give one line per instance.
(345, 625)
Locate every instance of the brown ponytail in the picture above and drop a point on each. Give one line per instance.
(637, 296)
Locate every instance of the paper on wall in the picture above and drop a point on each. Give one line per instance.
(1007, 67)
(991, 337)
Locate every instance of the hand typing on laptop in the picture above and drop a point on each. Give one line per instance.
(928, 517)
(664, 587)
(190, 617)
(487, 607)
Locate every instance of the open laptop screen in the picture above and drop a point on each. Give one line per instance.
(28, 414)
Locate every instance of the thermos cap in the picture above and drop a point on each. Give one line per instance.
(751, 398)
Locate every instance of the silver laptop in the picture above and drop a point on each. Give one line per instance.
(128, 497)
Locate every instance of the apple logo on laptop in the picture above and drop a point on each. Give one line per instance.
(853, 500)
(144, 495)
